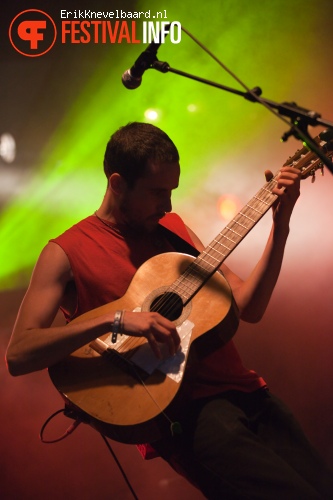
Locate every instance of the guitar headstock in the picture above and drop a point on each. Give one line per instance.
(307, 161)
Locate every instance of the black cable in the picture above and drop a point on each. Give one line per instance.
(69, 431)
(119, 466)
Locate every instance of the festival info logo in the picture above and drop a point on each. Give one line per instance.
(32, 33)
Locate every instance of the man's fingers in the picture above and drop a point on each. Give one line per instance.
(156, 328)
(166, 332)
(154, 345)
(166, 336)
(268, 175)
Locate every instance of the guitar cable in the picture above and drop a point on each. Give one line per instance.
(119, 466)
(77, 421)
(70, 430)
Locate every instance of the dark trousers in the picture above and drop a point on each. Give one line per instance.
(246, 446)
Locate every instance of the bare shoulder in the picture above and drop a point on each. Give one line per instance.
(47, 288)
(52, 265)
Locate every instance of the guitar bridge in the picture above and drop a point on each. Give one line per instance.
(114, 356)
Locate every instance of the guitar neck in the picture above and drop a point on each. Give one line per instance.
(211, 258)
(229, 238)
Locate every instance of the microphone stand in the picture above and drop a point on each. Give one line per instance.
(300, 118)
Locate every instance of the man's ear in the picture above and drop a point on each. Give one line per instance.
(117, 183)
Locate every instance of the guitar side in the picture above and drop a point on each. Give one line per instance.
(113, 399)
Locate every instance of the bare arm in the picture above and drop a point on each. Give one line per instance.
(252, 295)
(35, 345)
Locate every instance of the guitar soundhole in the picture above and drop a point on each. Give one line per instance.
(168, 304)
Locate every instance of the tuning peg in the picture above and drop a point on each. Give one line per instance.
(313, 172)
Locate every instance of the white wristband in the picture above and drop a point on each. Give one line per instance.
(116, 325)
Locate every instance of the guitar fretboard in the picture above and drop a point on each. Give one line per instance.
(210, 259)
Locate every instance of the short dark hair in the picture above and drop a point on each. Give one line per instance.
(131, 147)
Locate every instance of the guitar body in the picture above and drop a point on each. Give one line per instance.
(114, 400)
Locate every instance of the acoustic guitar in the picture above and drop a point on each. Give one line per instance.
(118, 388)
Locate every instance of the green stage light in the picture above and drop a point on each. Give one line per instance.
(256, 39)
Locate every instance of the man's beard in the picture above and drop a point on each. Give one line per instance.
(136, 226)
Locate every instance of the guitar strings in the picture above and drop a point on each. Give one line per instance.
(201, 269)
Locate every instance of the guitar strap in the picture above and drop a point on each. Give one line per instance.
(179, 244)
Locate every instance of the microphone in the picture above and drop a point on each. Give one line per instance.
(132, 77)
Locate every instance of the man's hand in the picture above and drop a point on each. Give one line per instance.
(288, 190)
(154, 327)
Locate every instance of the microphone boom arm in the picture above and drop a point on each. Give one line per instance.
(301, 118)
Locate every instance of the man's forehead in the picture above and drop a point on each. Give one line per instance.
(161, 175)
(157, 167)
